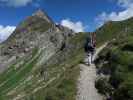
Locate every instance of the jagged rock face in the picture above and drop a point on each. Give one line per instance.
(36, 31)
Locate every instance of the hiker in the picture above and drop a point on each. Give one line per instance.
(89, 49)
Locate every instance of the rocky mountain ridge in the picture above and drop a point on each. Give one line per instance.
(36, 31)
(37, 55)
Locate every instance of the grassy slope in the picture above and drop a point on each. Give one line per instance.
(46, 82)
(64, 87)
(113, 29)
(118, 57)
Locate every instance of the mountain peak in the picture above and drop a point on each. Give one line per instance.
(40, 13)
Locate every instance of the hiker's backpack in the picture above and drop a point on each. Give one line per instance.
(88, 47)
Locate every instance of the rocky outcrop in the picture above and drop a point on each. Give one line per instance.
(36, 31)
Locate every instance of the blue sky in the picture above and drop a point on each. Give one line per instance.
(85, 15)
(76, 10)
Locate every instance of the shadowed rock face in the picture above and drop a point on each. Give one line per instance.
(36, 31)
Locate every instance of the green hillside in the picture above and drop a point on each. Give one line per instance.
(113, 29)
(53, 80)
(115, 61)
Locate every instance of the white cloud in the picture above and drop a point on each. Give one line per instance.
(125, 3)
(117, 16)
(5, 32)
(16, 3)
(75, 26)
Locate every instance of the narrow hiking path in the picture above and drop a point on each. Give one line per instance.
(86, 81)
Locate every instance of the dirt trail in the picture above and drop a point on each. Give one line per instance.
(86, 81)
